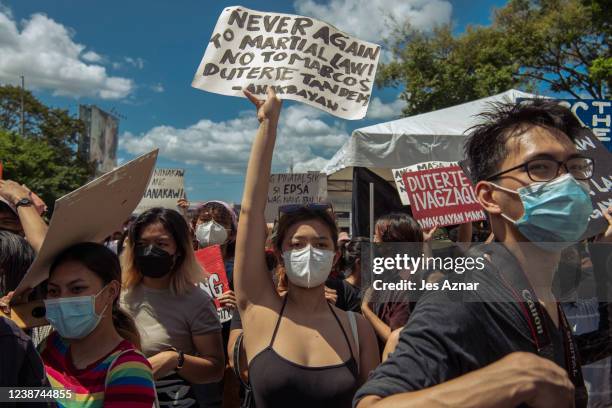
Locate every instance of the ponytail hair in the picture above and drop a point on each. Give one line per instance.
(105, 264)
(125, 326)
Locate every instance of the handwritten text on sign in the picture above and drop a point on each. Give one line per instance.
(294, 188)
(601, 182)
(306, 60)
(398, 175)
(442, 196)
(165, 189)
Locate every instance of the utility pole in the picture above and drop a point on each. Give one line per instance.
(22, 106)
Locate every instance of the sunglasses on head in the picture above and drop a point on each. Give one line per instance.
(293, 208)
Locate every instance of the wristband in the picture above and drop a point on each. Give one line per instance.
(180, 359)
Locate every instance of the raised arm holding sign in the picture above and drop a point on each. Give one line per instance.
(302, 232)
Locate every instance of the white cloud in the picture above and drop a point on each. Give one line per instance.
(370, 19)
(5, 10)
(92, 56)
(44, 52)
(304, 140)
(128, 62)
(135, 62)
(158, 87)
(380, 110)
(315, 164)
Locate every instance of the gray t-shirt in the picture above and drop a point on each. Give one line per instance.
(165, 320)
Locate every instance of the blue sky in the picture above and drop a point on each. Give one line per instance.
(139, 57)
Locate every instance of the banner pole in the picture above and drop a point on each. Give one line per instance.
(371, 212)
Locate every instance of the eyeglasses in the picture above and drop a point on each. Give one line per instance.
(544, 170)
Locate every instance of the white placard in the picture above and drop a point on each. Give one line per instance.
(166, 187)
(305, 59)
(294, 188)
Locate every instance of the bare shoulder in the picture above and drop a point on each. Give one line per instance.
(258, 322)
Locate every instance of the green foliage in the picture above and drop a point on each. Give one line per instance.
(45, 158)
(563, 44)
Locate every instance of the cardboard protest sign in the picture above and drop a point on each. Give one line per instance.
(442, 196)
(398, 175)
(601, 182)
(215, 282)
(91, 213)
(166, 187)
(306, 60)
(595, 114)
(294, 188)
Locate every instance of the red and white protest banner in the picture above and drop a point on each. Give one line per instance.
(398, 175)
(215, 282)
(442, 196)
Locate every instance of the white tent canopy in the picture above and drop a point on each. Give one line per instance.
(437, 135)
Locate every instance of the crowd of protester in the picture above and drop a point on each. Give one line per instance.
(129, 326)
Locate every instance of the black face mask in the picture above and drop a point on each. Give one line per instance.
(152, 261)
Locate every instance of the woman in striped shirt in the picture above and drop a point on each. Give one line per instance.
(92, 355)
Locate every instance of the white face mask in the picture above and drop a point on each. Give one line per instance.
(211, 233)
(308, 267)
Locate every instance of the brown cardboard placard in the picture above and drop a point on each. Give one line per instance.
(91, 213)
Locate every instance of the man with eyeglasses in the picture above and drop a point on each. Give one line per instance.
(509, 343)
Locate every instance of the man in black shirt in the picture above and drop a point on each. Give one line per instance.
(506, 343)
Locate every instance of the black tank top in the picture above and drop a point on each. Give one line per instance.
(278, 382)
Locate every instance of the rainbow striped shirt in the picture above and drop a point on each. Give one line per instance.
(129, 383)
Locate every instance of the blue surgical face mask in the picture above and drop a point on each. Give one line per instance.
(73, 317)
(555, 212)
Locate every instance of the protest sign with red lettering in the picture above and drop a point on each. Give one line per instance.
(442, 196)
(215, 282)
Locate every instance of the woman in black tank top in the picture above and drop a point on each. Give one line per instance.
(302, 352)
(276, 380)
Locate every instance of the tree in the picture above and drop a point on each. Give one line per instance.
(45, 158)
(563, 45)
(54, 126)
